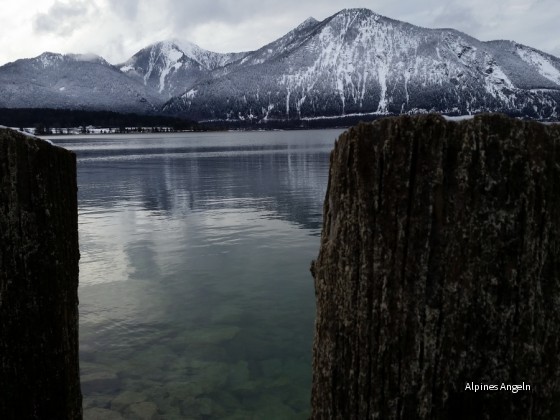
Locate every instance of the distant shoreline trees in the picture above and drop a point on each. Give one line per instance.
(58, 121)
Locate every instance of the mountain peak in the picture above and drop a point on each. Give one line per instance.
(189, 48)
(308, 22)
(166, 44)
(356, 15)
(359, 11)
(48, 55)
(89, 57)
(48, 59)
(172, 65)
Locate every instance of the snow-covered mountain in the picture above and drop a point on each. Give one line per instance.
(172, 67)
(74, 82)
(355, 62)
(358, 62)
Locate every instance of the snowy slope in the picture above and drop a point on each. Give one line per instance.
(546, 65)
(281, 46)
(172, 67)
(73, 82)
(355, 62)
(359, 62)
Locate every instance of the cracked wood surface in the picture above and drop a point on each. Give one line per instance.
(439, 266)
(39, 368)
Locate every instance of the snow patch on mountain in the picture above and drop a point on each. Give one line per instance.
(355, 62)
(72, 81)
(171, 67)
(91, 58)
(359, 62)
(191, 94)
(170, 55)
(48, 59)
(543, 64)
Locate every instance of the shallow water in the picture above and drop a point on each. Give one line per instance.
(196, 300)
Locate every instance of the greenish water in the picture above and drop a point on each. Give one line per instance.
(196, 300)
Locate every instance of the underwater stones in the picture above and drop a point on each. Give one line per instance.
(252, 344)
(134, 405)
(271, 367)
(205, 406)
(199, 378)
(227, 400)
(143, 411)
(215, 335)
(150, 363)
(125, 399)
(298, 370)
(285, 373)
(270, 407)
(155, 355)
(239, 415)
(225, 313)
(439, 266)
(186, 407)
(203, 344)
(178, 391)
(239, 377)
(100, 382)
(101, 414)
(97, 400)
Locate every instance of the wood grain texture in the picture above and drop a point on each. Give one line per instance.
(439, 266)
(39, 367)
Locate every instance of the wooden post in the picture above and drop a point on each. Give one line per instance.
(438, 277)
(39, 367)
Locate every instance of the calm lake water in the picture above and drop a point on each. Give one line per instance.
(196, 300)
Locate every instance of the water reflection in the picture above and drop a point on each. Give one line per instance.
(195, 298)
(282, 172)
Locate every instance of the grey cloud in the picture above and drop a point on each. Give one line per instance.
(185, 19)
(126, 9)
(235, 12)
(232, 25)
(62, 18)
(457, 17)
(184, 14)
(242, 25)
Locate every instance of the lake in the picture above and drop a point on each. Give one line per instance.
(196, 300)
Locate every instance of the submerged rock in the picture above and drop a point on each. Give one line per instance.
(239, 378)
(100, 382)
(439, 271)
(273, 408)
(101, 414)
(39, 369)
(144, 411)
(216, 335)
(121, 401)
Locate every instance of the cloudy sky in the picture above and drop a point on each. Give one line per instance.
(116, 29)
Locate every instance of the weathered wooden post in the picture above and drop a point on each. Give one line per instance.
(438, 277)
(39, 368)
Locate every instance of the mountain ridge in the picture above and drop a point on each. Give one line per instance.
(170, 66)
(359, 62)
(76, 81)
(355, 62)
